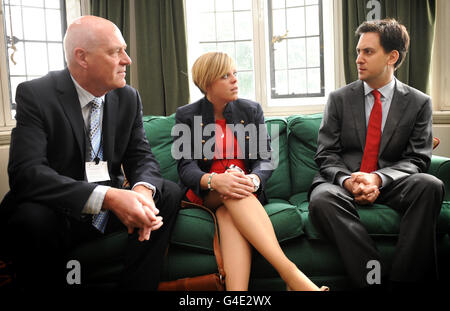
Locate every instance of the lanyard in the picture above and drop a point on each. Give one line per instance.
(96, 158)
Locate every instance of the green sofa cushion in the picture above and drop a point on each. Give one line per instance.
(158, 130)
(302, 137)
(379, 219)
(279, 184)
(194, 228)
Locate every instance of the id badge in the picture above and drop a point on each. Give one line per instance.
(97, 172)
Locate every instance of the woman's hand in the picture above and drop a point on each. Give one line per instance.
(232, 185)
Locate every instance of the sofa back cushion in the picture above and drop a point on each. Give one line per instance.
(279, 184)
(302, 140)
(158, 129)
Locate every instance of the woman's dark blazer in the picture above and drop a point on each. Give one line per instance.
(246, 116)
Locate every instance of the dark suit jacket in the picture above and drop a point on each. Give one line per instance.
(243, 114)
(48, 144)
(406, 141)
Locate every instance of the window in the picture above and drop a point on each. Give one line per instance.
(278, 46)
(223, 25)
(296, 48)
(34, 34)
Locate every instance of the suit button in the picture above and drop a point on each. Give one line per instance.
(201, 124)
(203, 141)
(242, 122)
(205, 159)
(247, 137)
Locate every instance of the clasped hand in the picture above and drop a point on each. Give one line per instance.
(135, 209)
(364, 187)
(232, 184)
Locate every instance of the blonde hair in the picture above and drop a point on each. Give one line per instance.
(209, 67)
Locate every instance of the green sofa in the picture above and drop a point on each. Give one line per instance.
(191, 253)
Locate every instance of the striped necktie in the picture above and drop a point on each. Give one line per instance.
(95, 135)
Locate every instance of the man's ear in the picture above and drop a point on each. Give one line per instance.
(81, 57)
(393, 57)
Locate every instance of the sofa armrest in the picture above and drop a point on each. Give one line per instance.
(440, 168)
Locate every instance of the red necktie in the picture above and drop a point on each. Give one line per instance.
(370, 157)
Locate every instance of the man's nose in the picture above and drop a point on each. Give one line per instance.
(126, 60)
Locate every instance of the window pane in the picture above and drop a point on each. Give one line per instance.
(36, 59)
(35, 3)
(55, 56)
(242, 5)
(308, 2)
(53, 25)
(297, 81)
(281, 82)
(312, 20)
(297, 55)
(209, 47)
(313, 52)
(243, 25)
(227, 47)
(208, 33)
(224, 5)
(280, 55)
(34, 24)
(204, 5)
(54, 4)
(15, 81)
(291, 3)
(16, 22)
(279, 22)
(244, 55)
(246, 84)
(19, 58)
(278, 4)
(296, 22)
(225, 29)
(314, 80)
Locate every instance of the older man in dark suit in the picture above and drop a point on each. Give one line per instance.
(374, 145)
(77, 131)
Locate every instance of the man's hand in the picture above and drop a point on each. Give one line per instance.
(144, 233)
(364, 187)
(134, 210)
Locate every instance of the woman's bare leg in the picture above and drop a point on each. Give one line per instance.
(252, 221)
(236, 252)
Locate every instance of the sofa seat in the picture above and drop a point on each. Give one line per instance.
(190, 252)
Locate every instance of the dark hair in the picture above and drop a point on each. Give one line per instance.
(393, 36)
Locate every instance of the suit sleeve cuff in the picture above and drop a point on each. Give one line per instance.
(95, 202)
(385, 180)
(149, 186)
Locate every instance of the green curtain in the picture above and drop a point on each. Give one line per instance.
(161, 49)
(418, 16)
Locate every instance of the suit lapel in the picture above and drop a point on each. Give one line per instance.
(358, 111)
(396, 112)
(110, 113)
(68, 98)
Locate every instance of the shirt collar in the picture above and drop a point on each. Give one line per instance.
(386, 91)
(84, 96)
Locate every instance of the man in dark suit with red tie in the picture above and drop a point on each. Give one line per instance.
(77, 131)
(374, 146)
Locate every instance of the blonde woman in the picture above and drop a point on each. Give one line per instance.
(225, 167)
